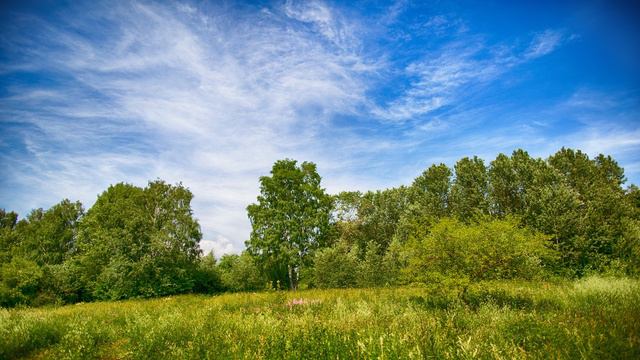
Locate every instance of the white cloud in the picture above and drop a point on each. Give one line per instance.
(220, 246)
(544, 43)
(326, 21)
(212, 96)
(449, 74)
(214, 104)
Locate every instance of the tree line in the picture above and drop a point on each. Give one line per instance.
(516, 217)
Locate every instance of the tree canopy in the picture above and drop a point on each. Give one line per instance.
(289, 221)
(517, 217)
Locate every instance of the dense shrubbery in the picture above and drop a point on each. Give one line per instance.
(516, 218)
(492, 249)
(133, 242)
(240, 273)
(336, 266)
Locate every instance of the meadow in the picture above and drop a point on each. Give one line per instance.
(594, 317)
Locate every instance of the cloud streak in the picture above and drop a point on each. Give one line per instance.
(211, 95)
(213, 105)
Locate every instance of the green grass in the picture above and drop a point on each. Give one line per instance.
(591, 318)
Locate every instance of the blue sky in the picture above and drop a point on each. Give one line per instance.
(212, 93)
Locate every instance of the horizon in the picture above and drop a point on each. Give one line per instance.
(211, 95)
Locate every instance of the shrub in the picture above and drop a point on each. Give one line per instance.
(371, 271)
(495, 249)
(240, 273)
(19, 281)
(207, 277)
(336, 267)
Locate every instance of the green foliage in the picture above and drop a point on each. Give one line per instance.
(371, 271)
(520, 218)
(394, 262)
(19, 281)
(470, 189)
(602, 211)
(428, 201)
(8, 236)
(139, 242)
(207, 276)
(430, 190)
(336, 266)
(370, 217)
(66, 282)
(346, 219)
(494, 249)
(629, 249)
(380, 212)
(289, 221)
(240, 273)
(578, 202)
(48, 237)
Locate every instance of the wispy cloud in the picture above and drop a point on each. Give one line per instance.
(544, 43)
(214, 103)
(447, 75)
(212, 94)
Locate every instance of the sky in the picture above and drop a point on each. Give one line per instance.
(210, 94)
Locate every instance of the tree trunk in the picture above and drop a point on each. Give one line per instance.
(292, 280)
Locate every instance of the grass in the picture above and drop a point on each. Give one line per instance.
(591, 318)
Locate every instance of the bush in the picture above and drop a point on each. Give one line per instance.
(240, 273)
(495, 249)
(336, 267)
(207, 278)
(19, 282)
(371, 271)
(65, 281)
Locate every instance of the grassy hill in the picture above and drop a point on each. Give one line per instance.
(590, 318)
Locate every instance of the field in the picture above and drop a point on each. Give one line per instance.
(590, 318)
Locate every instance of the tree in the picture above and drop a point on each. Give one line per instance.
(289, 221)
(393, 262)
(470, 188)
(336, 266)
(604, 208)
(511, 180)
(371, 270)
(430, 190)
(207, 276)
(20, 280)
(428, 202)
(379, 213)
(370, 217)
(8, 239)
(346, 220)
(240, 273)
(139, 242)
(48, 237)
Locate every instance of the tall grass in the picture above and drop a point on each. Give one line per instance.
(591, 318)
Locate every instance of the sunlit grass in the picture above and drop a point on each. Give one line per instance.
(591, 318)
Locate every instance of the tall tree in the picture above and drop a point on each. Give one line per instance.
(431, 190)
(139, 242)
(510, 181)
(289, 221)
(8, 238)
(380, 212)
(428, 202)
(48, 236)
(604, 207)
(470, 188)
